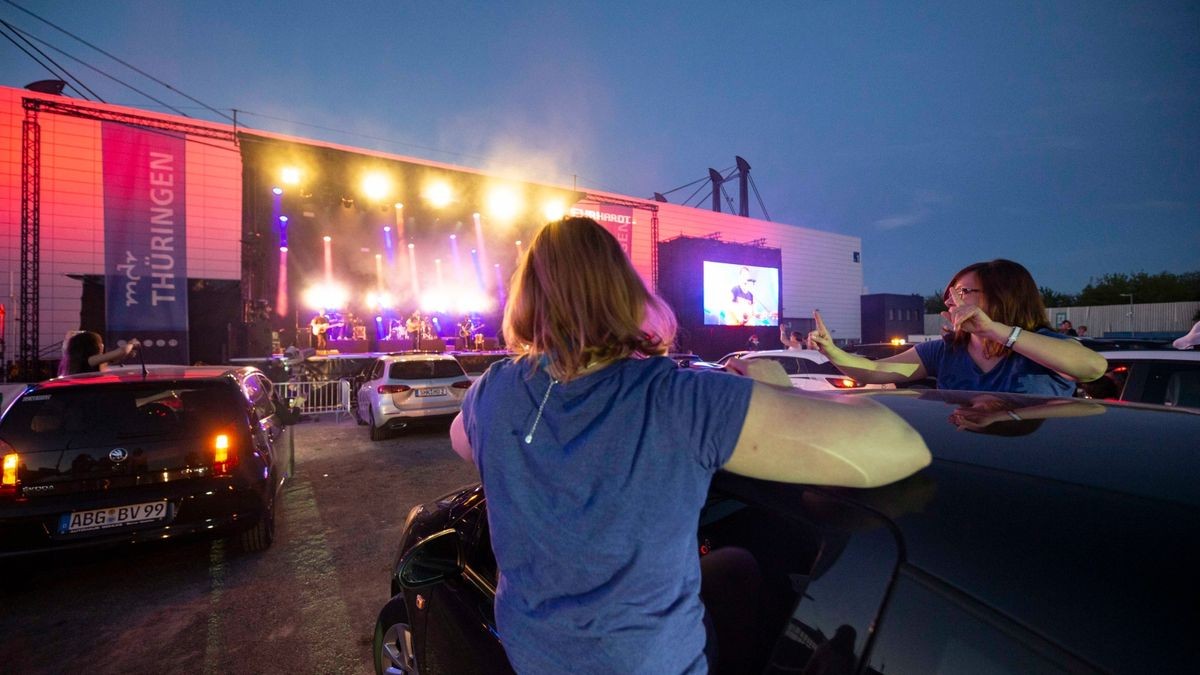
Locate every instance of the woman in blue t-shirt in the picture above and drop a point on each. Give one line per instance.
(596, 456)
(999, 340)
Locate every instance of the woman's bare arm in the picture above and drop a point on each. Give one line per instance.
(459, 440)
(849, 441)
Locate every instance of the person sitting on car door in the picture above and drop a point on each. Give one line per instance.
(596, 457)
(999, 340)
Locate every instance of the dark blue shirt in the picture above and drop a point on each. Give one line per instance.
(955, 369)
(594, 521)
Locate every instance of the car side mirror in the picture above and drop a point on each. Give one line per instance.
(434, 559)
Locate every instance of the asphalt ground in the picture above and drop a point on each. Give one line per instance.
(306, 605)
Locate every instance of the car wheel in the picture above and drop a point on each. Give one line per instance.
(262, 534)
(393, 643)
(377, 434)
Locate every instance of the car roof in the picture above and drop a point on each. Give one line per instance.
(810, 354)
(154, 373)
(1065, 523)
(1152, 355)
(418, 356)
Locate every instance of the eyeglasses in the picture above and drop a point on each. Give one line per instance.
(962, 290)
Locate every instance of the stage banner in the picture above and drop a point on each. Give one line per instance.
(145, 241)
(615, 219)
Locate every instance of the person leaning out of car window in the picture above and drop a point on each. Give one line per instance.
(84, 353)
(596, 457)
(998, 340)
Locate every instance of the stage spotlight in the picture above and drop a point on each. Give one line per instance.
(277, 191)
(412, 245)
(439, 194)
(347, 203)
(283, 219)
(554, 210)
(503, 203)
(327, 238)
(376, 186)
(290, 175)
(283, 249)
(325, 296)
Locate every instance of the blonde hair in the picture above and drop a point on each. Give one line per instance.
(576, 300)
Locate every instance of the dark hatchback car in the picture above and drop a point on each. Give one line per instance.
(1047, 536)
(127, 456)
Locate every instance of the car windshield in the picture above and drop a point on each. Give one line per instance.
(424, 370)
(89, 416)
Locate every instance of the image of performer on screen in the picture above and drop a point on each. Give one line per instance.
(742, 310)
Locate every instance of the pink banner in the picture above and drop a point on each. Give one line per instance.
(616, 219)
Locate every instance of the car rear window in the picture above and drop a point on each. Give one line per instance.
(90, 416)
(424, 370)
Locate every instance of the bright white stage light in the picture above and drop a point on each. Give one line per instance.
(290, 175)
(503, 203)
(439, 194)
(554, 210)
(376, 186)
(325, 296)
(380, 300)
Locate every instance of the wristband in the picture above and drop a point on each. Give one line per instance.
(1012, 337)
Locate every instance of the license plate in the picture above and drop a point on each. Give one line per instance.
(432, 391)
(99, 519)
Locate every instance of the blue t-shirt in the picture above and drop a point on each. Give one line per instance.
(593, 522)
(954, 369)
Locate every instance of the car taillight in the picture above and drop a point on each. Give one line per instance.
(8, 476)
(462, 384)
(393, 388)
(224, 454)
(843, 382)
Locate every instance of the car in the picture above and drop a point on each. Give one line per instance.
(1122, 344)
(407, 387)
(879, 350)
(810, 370)
(731, 356)
(1167, 377)
(693, 361)
(135, 455)
(1047, 535)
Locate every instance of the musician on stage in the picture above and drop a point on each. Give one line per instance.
(320, 326)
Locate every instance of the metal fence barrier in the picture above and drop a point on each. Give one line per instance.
(317, 398)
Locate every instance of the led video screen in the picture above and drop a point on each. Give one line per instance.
(740, 295)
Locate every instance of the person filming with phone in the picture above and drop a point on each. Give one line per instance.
(998, 340)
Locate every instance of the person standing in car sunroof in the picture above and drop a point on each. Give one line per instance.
(596, 456)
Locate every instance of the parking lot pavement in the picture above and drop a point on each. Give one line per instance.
(308, 604)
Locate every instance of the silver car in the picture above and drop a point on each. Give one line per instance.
(403, 387)
(811, 370)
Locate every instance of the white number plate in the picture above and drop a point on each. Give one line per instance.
(432, 391)
(99, 519)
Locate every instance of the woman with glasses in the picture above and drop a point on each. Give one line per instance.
(998, 340)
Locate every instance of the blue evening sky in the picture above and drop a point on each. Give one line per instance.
(1064, 135)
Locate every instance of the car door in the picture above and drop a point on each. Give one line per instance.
(460, 623)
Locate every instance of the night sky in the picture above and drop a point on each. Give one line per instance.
(1064, 135)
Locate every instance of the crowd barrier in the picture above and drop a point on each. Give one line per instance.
(317, 398)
